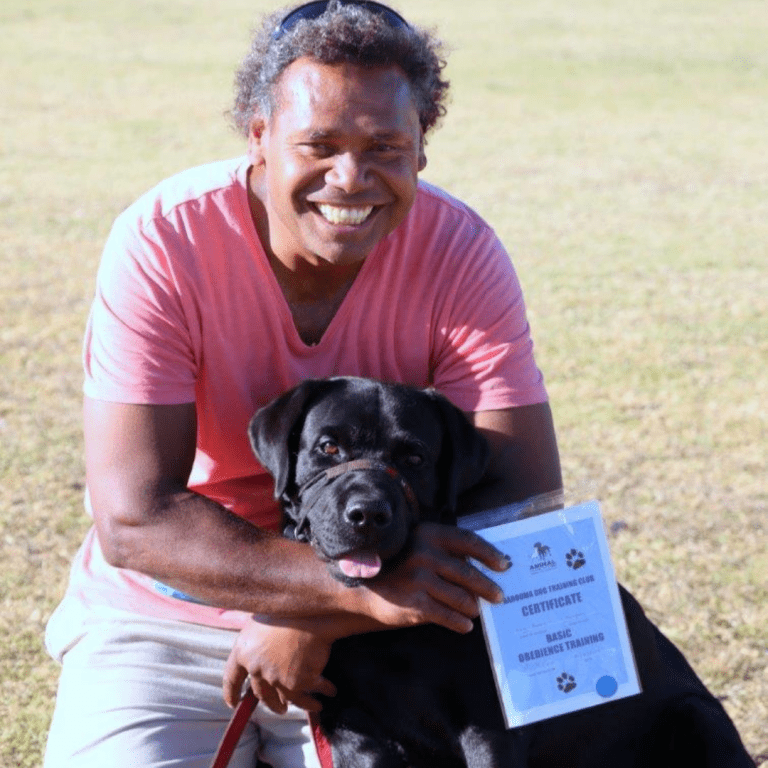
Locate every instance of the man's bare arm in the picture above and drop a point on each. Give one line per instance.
(524, 458)
(138, 461)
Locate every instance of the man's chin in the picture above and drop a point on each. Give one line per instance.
(345, 246)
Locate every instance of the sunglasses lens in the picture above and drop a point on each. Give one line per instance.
(316, 9)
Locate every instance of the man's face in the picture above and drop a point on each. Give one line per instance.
(336, 165)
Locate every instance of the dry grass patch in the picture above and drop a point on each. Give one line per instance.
(619, 150)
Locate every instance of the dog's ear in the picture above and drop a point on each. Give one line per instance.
(274, 431)
(464, 454)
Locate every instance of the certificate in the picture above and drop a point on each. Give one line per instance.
(559, 641)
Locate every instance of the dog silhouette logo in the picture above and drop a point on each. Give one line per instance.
(541, 558)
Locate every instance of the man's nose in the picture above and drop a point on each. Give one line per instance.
(349, 172)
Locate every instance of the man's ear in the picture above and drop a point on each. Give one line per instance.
(275, 429)
(422, 153)
(256, 131)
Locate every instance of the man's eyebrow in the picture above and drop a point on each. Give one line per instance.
(392, 135)
(322, 134)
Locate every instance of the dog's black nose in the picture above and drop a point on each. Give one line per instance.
(376, 514)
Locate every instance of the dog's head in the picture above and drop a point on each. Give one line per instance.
(357, 463)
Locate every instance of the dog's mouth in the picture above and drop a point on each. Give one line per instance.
(360, 565)
(353, 567)
(368, 525)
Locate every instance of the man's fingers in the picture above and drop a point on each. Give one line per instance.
(232, 684)
(447, 593)
(307, 702)
(449, 551)
(325, 687)
(457, 622)
(311, 704)
(460, 541)
(269, 695)
(277, 698)
(471, 582)
(438, 583)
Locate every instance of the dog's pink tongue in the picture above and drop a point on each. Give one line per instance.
(360, 566)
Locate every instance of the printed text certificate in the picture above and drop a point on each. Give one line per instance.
(559, 641)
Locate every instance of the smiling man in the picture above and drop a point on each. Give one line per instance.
(349, 147)
(319, 253)
(334, 172)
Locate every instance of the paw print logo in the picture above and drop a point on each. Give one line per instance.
(566, 683)
(575, 559)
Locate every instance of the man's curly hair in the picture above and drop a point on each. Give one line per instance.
(343, 34)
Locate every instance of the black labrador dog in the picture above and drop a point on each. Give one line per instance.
(357, 464)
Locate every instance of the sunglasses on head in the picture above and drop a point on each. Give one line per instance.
(316, 9)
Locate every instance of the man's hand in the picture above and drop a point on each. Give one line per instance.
(436, 583)
(285, 658)
(285, 665)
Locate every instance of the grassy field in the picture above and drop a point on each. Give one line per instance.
(620, 150)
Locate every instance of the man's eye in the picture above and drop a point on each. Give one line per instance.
(319, 150)
(386, 149)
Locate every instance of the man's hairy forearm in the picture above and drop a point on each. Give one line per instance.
(138, 461)
(198, 547)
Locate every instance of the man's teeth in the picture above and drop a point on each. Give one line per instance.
(336, 214)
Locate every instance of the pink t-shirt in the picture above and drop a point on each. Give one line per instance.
(187, 309)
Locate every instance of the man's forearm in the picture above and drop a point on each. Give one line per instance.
(138, 461)
(200, 548)
(524, 457)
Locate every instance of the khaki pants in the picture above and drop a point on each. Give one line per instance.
(139, 692)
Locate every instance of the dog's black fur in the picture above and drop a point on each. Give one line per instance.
(424, 697)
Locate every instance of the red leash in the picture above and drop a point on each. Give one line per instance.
(240, 718)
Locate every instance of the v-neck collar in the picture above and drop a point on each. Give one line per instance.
(287, 315)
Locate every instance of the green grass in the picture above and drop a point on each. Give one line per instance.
(619, 149)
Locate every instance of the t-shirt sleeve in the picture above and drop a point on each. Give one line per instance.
(485, 352)
(138, 347)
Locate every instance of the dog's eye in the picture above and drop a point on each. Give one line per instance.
(329, 447)
(414, 460)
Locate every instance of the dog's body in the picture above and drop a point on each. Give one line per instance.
(357, 464)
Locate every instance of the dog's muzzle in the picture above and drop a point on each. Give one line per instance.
(308, 495)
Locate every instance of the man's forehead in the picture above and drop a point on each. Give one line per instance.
(311, 86)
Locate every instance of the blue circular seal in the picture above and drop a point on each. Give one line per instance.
(607, 686)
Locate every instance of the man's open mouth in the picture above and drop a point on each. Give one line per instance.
(348, 215)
